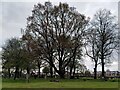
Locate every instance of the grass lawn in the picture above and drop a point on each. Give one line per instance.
(42, 83)
(0, 83)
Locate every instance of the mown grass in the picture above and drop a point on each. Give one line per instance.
(63, 83)
(0, 83)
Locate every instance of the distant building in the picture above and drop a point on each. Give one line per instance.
(112, 73)
(109, 73)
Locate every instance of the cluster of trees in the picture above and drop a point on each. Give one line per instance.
(102, 39)
(57, 37)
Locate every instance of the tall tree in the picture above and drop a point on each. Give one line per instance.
(11, 55)
(57, 32)
(29, 56)
(91, 47)
(16, 56)
(106, 28)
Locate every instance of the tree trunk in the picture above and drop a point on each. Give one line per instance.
(16, 73)
(62, 76)
(103, 73)
(51, 72)
(74, 71)
(38, 69)
(28, 74)
(62, 73)
(20, 73)
(9, 73)
(95, 71)
(70, 72)
(102, 61)
(67, 73)
(73, 64)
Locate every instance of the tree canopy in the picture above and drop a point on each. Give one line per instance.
(55, 37)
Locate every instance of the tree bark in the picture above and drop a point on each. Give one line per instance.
(28, 75)
(9, 72)
(51, 71)
(38, 69)
(102, 61)
(103, 73)
(62, 75)
(70, 72)
(95, 71)
(74, 71)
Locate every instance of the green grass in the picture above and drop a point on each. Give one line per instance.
(66, 83)
(0, 83)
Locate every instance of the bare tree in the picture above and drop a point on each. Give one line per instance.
(92, 49)
(106, 35)
(57, 32)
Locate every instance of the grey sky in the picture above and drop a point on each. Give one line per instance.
(13, 16)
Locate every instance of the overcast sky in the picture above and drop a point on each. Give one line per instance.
(13, 17)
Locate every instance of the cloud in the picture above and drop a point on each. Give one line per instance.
(90, 8)
(14, 16)
(60, 0)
